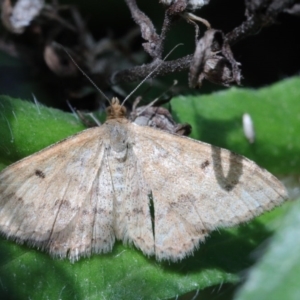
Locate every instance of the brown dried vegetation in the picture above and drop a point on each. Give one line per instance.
(37, 37)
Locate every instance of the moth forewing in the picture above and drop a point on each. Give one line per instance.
(198, 187)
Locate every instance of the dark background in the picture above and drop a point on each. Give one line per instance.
(266, 57)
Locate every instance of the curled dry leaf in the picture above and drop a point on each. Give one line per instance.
(159, 118)
(214, 61)
(17, 16)
(294, 10)
(58, 62)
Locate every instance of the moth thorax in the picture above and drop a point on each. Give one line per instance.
(116, 110)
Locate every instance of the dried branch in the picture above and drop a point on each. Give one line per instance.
(167, 67)
(148, 32)
(260, 13)
(101, 58)
(155, 43)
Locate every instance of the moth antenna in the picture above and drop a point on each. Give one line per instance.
(89, 79)
(130, 94)
(156, 99)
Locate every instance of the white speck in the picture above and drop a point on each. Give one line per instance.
(248, 128)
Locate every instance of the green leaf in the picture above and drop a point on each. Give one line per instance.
(217, 119)
(26, 127)
(277, 274)
(125, 273)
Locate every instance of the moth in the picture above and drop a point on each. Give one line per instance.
(164, 193)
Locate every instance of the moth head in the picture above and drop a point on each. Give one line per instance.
(116, 110)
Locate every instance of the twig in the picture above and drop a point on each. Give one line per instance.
(148, 31)
(260, 13)
(167, 67)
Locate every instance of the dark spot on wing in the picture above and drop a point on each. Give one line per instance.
(137, 211)
(40, 174)
(66, 203)
(230, 185)
(205, 164)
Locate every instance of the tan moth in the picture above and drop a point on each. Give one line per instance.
(78, 196)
